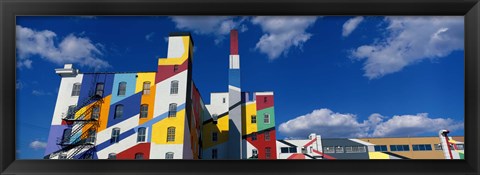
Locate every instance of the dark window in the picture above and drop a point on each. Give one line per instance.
(139, 156)
(66, 135)
(76, 89)
(170, 134)
(143, 111)
(172, 110)
(284, 149)
(254, 118)
(267, 152)
(91, 136)
(175, 68)
(112, 156)
(399, 148)
(266, 118)
(293, 150)
(214, 154)
(422, 147)
(118, 111)
(71, 112)
(115, 135)
(223, 99)
(141, 134)
(460, 146)
(169, 155)
(122, 88)
(96, 112)
(267, 135)
(62, 156)
(264, 99)
(380, 148)
(174, 87)
(254, 136)
(146, 87)
(99, 89)
(214, 136)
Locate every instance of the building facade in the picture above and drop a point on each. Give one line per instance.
(159, 114)
(372, 148)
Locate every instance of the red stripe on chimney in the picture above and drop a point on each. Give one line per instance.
(233, 42)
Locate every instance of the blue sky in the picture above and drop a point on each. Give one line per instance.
(335, 76)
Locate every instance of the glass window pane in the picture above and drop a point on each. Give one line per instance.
(406, 148)
(393, 147)
(284, 150)
(428, 147)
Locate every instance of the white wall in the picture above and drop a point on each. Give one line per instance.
(65, 98)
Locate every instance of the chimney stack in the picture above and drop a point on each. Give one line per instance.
(233, 42)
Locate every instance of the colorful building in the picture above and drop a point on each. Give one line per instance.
(372, 148)
(159, 114)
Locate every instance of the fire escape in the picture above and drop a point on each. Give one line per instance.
(84, 122)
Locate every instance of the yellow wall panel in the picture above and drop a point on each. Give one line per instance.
(248, 126)
(159, 129)
(378, 155)
(221, 128)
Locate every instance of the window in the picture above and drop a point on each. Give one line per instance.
(254, 136)
(118, 111)
(169, 155)
(143, 111)
(355, 149)
(254, 153)
(460, 146)
(223, 100)
(170, 134)
(139, 156)
(266, 118)
(175, 68)
(96, 112)
(254, 118)
(91, 136)
(146, 88)
(112, 156)
(76, 89)
(99, 89)
(141, 134)
(62, 156)
(328, 149)
(380, 148)
(422, 147)
(264, 99)
(214, 153)
(303, 150)
(267, 152)
(122, 88)
(267, 135)
(174, 87)
(399, 148)
(172, 110)
(66, 135)
(338, 149)
(214, 136)
(288, 150)
(71, 112)
(438, 146)
(115, 135)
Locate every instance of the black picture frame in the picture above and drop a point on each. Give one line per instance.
(11, 8)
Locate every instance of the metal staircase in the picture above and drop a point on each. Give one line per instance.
(83, 123)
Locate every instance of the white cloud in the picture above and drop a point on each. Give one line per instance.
(282, 33)
(410, 125)
(411, 40)
(72, 49)
(331, 124)
(219, 26)
(351, 25)
(38, 145)
(40, 93)
(149, 36)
